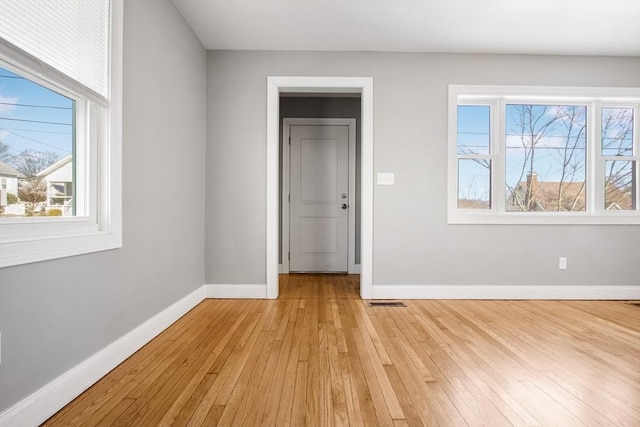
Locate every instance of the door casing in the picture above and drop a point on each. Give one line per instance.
(286, 167)
(306, 84)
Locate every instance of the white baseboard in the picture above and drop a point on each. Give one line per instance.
(48, 400)
(506, 292)
(45, 402)
(357, 269)
(280, 269)
(236, 291)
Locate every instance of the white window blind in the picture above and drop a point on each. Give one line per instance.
(71, 36)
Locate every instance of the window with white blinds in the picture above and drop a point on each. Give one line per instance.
(71, 36)
(61, 123)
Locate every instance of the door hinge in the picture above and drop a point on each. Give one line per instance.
(289, 256)
(289, 198)
(289, 139)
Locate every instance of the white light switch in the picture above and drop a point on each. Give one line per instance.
(385, 178)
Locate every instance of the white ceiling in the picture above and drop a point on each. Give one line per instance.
(559, 27)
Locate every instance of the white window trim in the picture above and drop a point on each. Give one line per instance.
(38, 239)
(499, 95)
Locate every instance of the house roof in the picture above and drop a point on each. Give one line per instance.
(54, 167)
(545, 195)
(530, 27)
(6, 170)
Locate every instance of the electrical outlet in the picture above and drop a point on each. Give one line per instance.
(562, 263)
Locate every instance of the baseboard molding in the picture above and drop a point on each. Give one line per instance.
(48, 400)
(357, 269)
(236, 291)
(506, 292)
(45, 402)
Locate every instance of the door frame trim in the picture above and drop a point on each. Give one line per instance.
(298, 84)
(286, 167)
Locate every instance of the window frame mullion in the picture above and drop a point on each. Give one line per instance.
(595, 161)
(498, 190)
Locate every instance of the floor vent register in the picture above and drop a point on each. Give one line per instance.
(386, 304)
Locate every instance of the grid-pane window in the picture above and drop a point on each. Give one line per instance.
(620, 168)
(526, 155)
(619, 185)
(474, 156)
(617, 131)
(474, 129)
(474, 184)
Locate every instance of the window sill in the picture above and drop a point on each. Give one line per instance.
(621, 218)
(19, 252)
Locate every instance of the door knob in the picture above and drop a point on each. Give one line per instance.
(345, 206)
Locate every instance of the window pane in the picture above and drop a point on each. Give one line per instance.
(545, 158)
(619, 185)
(36, 148)
(474, 184)
(617, 131)
(473, 129)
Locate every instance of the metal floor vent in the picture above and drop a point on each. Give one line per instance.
(386, 304)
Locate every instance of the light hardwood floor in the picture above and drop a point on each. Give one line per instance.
(320, 356)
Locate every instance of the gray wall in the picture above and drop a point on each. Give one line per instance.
(412, 243)
(325, 107)
(55, 314)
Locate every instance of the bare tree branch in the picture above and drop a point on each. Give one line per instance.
(30, 163)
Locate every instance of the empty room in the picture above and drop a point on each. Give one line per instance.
(319, 213)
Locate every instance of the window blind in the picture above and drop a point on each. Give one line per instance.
(71, 36)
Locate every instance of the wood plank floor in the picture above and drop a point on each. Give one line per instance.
(319, 356)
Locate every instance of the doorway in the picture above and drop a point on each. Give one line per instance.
(330, 85)
(319, 196)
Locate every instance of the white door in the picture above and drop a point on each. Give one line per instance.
(319, 205)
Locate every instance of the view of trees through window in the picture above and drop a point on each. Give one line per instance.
(474, 165)
(36, 149)
(544, 151)
(617, 143)
(545, 157)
